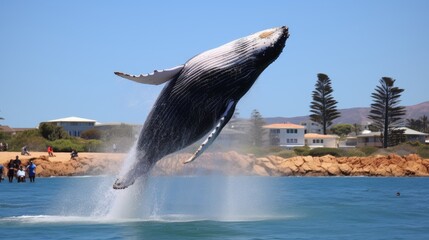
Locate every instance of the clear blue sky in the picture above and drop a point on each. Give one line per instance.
(57, 58)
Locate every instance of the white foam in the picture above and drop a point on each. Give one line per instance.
(173, 218)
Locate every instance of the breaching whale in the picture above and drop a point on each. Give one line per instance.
(200, 96)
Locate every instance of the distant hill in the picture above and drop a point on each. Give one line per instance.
(356, 115)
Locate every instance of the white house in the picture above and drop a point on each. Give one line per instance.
(314, 140)
(286, 134)
(311, 127)
(373, 139)
(74, 125)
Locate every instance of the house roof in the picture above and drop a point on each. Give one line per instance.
(284, 126)
(319, 136)
(6, 129)
(72, 119)
(408, 131)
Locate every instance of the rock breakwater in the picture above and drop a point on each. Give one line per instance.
(233, 163)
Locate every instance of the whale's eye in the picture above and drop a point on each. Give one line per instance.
(266, 34)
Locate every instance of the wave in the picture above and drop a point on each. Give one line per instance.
(170, 218)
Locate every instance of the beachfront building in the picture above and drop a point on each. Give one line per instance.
(287, 135)
(311, 127)
(74, 126)
(373, 139)
(315, 140)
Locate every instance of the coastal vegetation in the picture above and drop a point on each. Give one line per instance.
(385, 112)
(402, 149)
(323, 108)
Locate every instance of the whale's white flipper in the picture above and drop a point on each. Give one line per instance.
(210, 139)
(154, 78)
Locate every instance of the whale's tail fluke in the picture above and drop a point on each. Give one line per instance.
(138, 166)
(122, 184)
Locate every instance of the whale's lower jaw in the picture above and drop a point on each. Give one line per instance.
(121, 184)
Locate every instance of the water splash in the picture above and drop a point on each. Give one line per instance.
(175, 198)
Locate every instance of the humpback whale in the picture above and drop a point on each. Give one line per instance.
(200, 97)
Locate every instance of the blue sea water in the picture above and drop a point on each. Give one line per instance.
(217, 207)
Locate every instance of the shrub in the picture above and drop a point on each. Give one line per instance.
(67, 145)
(414, 144)
(318, 152)
(286, 154)
(423, 151)
(30, 138)
(354, 152)
(368, 150)
(302, 151)
(93, 145)
(275, 149)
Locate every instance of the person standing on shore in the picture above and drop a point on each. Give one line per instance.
(50, 151)
(20, 174)
(1, 172)
(17, 163)
(11, 170)
(31, 168)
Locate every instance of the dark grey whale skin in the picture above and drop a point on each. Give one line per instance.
(191, 104)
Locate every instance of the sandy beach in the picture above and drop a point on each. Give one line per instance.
(87, 163)
(60, 157)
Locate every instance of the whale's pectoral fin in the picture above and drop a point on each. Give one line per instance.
(154, 78)
(226, 116)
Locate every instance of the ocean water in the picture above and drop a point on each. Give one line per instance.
(217, 207)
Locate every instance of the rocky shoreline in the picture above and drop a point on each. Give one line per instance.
(233, 163)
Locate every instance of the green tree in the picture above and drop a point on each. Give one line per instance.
(256, 130)
(52, 132)
(357, 128)
(425, 123)
(415, 124)
(385, 112)
(421, 124)
(323, 107)
(342, 129)
(91, 134)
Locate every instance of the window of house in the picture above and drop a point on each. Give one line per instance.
(275, 131)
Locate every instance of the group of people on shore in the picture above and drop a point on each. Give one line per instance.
(17, 170)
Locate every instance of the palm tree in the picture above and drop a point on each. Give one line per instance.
(323, 107)
(385, 111)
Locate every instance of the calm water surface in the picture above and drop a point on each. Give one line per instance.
(217, 208)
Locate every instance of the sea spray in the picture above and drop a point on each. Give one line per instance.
(125, 203)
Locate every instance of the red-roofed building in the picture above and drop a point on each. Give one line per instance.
(291, 135)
